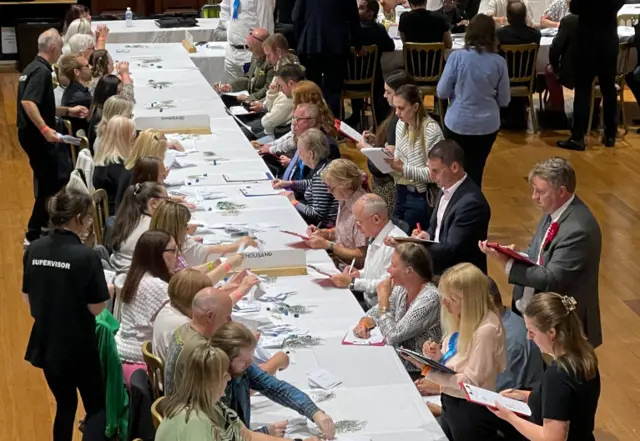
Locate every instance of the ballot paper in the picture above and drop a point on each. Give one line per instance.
(169, 157)
(323, 379)
(181, 162)
(109, 276)
(245, 306)
(489, 398)
(436, 400)
(68, 139)
(236, 94)
(377, 156)
(348, 130)
(376, 338)
(247, 177)
(270, 342)
(238, 110)
(250, 192)
(295, 424)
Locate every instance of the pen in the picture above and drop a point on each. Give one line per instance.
(353, 262)
(419, 228)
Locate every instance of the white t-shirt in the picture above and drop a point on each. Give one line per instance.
(168, 320)
(136, 318)
(121, 260)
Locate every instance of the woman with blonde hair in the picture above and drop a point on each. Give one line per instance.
(117, 140)
(148, 143)
(174, 218)
(473, 346)
(346, 241)
(564, 406)
(113, 106)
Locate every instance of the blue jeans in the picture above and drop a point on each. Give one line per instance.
(412, 207)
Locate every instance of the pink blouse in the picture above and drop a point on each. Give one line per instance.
(347, 233)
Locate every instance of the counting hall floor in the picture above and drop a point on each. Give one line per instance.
(608, 181)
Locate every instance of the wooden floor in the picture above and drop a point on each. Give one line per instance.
(608, 181)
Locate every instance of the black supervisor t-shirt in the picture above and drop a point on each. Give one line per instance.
(61, 277)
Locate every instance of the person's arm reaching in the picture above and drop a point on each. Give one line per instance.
(447, 39)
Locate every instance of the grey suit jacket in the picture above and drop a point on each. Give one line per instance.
(570, 265)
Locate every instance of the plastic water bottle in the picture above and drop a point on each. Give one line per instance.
(128, 16)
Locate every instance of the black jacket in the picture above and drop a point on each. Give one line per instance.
(561, 51)
(518, 35)
(327, 27)
(464, 223)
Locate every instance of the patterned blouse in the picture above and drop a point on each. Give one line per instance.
(347, 232)
(228, 426)
(557, 10)
(410, 328)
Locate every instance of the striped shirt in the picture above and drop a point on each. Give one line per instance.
(319, 204)
(285, 145)
(412, 151)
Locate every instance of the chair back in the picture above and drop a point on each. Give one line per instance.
(210, 11)
(424, 61)
(361, 70)
(100, 213)
(84, 162)
(155, 369)
(521, 62)
(54, 78)
(157, 412)
(624, 50)
(628, 19)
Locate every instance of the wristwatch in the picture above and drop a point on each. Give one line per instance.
(330, 247)
(352, 286)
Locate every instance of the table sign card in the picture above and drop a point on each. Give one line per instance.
(267, 259)
(172, 122)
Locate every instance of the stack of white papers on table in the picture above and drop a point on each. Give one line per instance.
(181, 162)
(244, 306)
(376, 338)
(238, 110)
(169, 157)
(258, 191)
(378, 156)
(323, 379)
(247, 177)
(270, 342)
(489, 398)
(295, 424)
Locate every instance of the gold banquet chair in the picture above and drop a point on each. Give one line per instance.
(628, 19)
(361, 74)
(155, 369)
(521, 62)
(100, 213)
(596, 93)
(157, 412)
(425, 62)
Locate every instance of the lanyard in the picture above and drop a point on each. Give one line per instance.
(452, 349)
(300, 167)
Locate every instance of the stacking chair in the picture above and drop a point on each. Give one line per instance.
(361, 74)
(155, 369)
(521, 61)
(210, 10)
(157, 413)
(425, 62)
(100, 213)
(55, 80)
(628, 19)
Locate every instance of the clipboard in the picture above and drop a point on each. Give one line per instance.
(510, 253)
(424, 360)
(319, 271)
(348, 131)
(488, 398)
(301, 236)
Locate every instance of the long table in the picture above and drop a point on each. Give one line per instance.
(146, 31)
(375, 387)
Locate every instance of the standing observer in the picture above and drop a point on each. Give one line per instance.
(36, 125)
(65, 288)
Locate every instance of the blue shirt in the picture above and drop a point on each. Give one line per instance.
(524, 361)
(478, 85)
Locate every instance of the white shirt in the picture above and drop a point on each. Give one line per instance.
(528, 292)
(447, 194)
(498, 8)
(121, 260)
(376, 263)
(136, 318)
(168, 320)
(251, 15)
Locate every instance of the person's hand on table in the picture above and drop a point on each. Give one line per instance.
(279, 183)
(51, 136)
(246, 241)
(420, 234)
(426, 387)
(390, 242)
(256, 144)
(325, 424)
(341, 280)
(435, 409)
(242, 98)
(175, 145)
(362, 331)
(277, 429)
(190, 205)
(317, 242)
(257, 106)
(222, 88)
(431, 350)
(284, 160)
(395, 164)
(263, 150)
(289, 195)
(313, 230)
(281, 359)
(78, 111)
(494, 254)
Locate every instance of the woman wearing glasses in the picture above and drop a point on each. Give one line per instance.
(144, 293)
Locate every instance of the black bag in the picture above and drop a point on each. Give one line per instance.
(176, 22)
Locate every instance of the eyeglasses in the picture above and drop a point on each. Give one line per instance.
(300, 118)
(171, 250)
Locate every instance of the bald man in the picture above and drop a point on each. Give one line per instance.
(370, 212)
(37, 113)
(211, 308)
(518, 31)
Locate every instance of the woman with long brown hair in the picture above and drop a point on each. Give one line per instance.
(143, 294)
(564, 406)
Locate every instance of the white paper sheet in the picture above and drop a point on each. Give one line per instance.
(258, 191)
(247, 177)
(238, 110)
(377, 156)
(323, 378)
(236, 94)
(489, 398)
(436, 400)
(376, 337)
(350, 131)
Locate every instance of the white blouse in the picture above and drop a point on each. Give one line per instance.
(121, 260)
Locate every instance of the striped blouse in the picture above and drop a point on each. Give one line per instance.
(319, 204)
(412, 151)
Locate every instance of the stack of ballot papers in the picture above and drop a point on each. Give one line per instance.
(376, 338)
(323, 379)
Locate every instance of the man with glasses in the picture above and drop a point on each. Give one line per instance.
(372, 219)
(77, 69)
(258, 77)
(243, 16)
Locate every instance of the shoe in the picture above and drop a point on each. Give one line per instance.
(609, 141)
(572, 144)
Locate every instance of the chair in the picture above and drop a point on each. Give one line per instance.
(100, 213)
(157, 413)
(361, 74)
(628, 19)
(54, 78)
(621, 70)
(155, 369)
(425, 62)
(73, 149)
(521, 61)
(210, 10)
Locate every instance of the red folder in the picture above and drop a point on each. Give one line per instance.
(510, 253)
(325, 283)
(300, 245)
(301, 236)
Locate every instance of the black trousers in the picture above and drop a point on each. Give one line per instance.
(476, 151)
(598, 59)
(44, 164)
(328, 72)
(465, 421)
(86, 377)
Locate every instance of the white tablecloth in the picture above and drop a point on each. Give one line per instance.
(375, 387)
(210, 60)
(146, 31)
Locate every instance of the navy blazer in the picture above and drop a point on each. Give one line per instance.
(465, 222)
(327, 27)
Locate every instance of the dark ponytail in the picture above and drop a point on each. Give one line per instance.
(67, 205)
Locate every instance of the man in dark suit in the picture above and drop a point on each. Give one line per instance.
(517, 31)
(565, 248)
(596, 55)
(461, 216)
(561, 50)
(325, 30)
